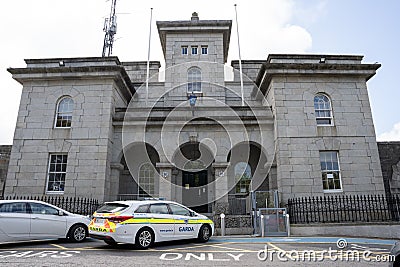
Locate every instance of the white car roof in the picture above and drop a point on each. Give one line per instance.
(23, 200)
(34, 201)
(140, 202)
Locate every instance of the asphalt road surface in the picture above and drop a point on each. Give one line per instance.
(220, 251)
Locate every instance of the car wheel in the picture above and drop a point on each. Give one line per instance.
(204, 233)
(78, 233)
(144, 238)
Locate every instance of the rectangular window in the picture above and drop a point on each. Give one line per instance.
(194, 50)
(331, 180)
(204, 50)
(194, 87)
(184, 50)
(56, 173)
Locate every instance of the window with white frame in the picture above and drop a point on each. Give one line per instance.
(242, 177)
(330, 169)
(204, 50)
(146, 179)
(194, 80)
(323, 110)
(64, 111)
(57, 172)
(184, 50)
(194, 50)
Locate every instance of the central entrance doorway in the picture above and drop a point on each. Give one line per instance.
(193, 161)
(195, 190)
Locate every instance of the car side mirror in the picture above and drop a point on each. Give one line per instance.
(192, 214)
(60, 213)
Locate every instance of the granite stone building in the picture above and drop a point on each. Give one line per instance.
(198, 133)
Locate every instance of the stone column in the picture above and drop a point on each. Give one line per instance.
(164, 184)
(221, 190)
(116, 169)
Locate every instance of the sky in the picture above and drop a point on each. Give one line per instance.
(73, 28)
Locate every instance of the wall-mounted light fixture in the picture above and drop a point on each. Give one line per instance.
(322, 60)
(61, 63)
(192, 99)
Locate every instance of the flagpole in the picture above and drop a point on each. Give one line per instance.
(148, 59)
(240, 58)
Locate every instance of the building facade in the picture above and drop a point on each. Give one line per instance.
(198, 132)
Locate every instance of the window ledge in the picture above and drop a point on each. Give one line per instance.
(195, 93)
(325, 125)
(334, 191)
(54, 192)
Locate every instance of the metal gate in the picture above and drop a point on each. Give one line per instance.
(268, 218)
(272, 222)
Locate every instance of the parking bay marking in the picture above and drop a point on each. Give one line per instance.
(40, 254)
(229, 248)
(58, 246)
(196, 246)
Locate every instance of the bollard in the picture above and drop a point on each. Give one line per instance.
(222, 224)
(287, 224)
(262, 226)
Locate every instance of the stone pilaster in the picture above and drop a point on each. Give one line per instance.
(221, 190)
(116, 169)
(165, 186)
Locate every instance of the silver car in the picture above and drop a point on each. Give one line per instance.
(23, 220)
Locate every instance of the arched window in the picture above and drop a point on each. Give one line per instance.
(243, 177)
(323, 110)
(194, 80)
(146, 179)
(64, 112)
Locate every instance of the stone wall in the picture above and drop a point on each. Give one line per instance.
(96, 86)
(5, 152)
(234, 225)
(389, 154)
(290, 88)
(375, 230)
(250, 69)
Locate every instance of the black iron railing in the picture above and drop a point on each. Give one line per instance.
(83, 206)
(339, 209)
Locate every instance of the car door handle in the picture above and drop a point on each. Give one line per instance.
(35, 218)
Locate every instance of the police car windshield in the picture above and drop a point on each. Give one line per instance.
(112, 207)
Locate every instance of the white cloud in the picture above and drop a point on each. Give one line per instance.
(392, 135)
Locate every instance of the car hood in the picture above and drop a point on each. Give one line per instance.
(200, 216)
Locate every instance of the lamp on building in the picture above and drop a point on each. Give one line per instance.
(61, 63)
(192, 99)
(322, 60)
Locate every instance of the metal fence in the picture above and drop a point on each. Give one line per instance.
(136, 196)
(237, 204)
(338, 209)
(83, 206)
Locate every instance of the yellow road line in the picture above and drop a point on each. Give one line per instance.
(237, 249)
(275, 247)
(58, 246)
(197, 246)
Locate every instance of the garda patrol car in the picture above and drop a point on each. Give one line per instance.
(148, 221)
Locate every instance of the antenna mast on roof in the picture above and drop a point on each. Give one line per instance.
(110, 28)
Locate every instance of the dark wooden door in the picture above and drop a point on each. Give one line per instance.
(194, 191)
